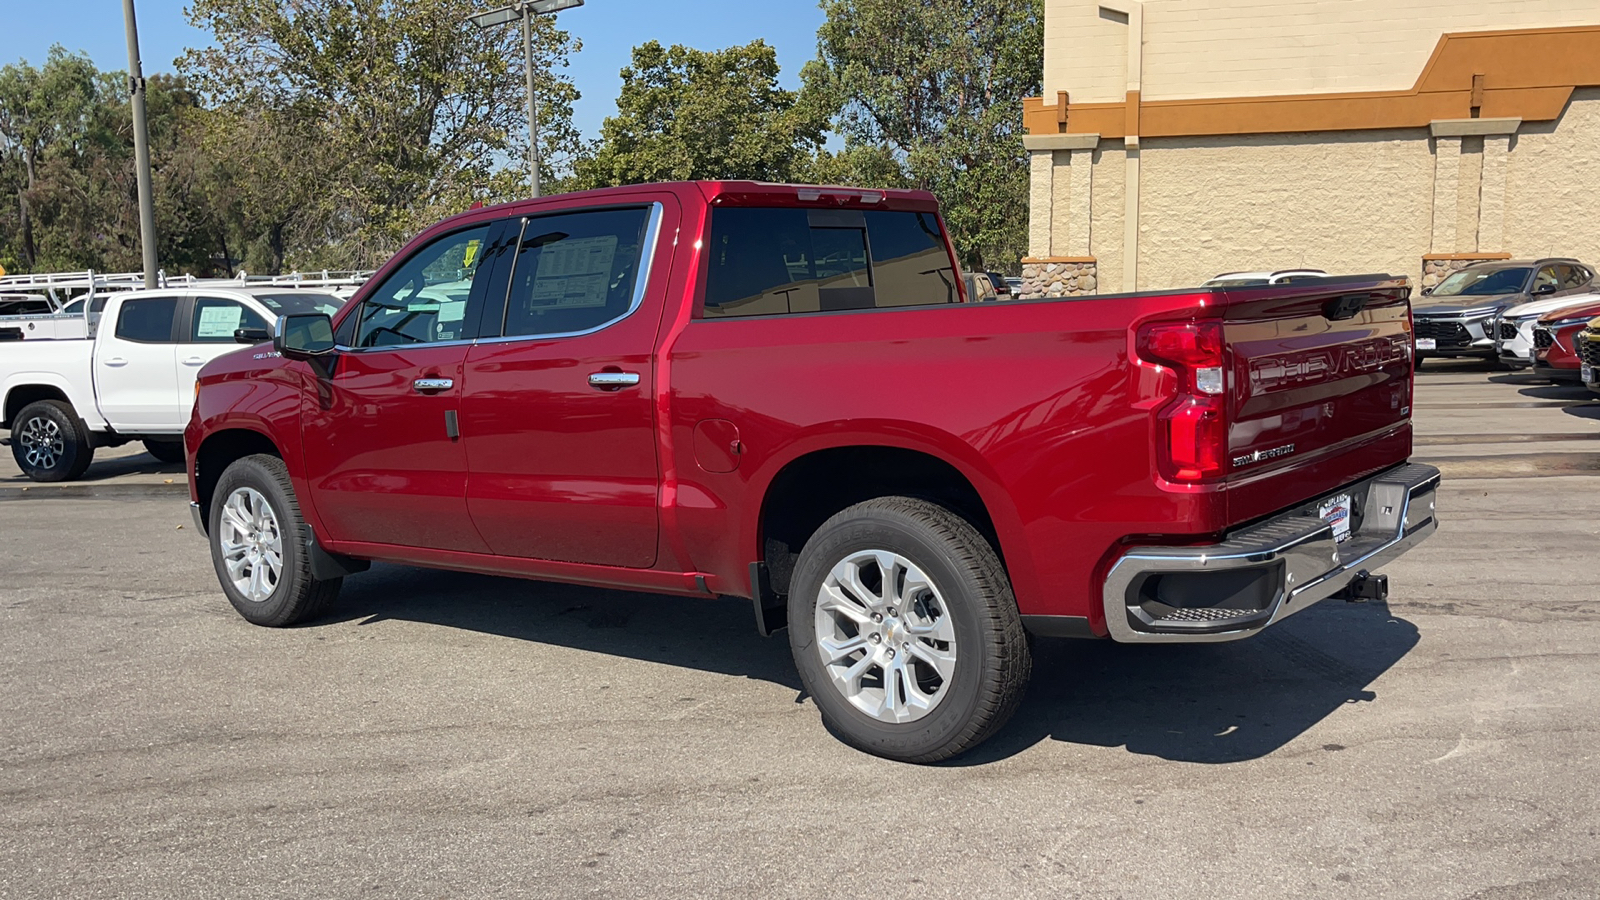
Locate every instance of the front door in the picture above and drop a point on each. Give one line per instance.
(558, 415)
(381, 439)
(136, 367)
(208, 334)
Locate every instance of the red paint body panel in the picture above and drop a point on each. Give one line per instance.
(1044, 407)
(1563, 354)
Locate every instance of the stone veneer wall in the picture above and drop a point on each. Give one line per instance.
(1042, 278)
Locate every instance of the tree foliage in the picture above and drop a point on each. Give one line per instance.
(687, 114)
(345, 126)
(929, 94)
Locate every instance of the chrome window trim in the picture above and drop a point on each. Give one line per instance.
(652, 233)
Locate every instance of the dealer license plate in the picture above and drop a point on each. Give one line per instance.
(1426, 344)
(1586, 371)
(1336, 512)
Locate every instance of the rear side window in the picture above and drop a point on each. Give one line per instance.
(575, 272)
(1574, 277)
(147, 320)
(776, 261)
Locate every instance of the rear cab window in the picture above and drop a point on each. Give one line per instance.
(764, 262)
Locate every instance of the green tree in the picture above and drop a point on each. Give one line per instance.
(688, 114)
(929, 95)
(341, 127)
(43, 112)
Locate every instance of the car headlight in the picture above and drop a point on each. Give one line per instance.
(1567, 323)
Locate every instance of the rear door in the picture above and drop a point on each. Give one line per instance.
(559, 412)
(1320, 389)
(381, 436)
(136, 368)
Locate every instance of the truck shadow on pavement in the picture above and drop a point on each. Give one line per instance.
(1203, 703)
(1207, 703)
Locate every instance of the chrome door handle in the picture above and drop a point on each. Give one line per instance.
(613, 379)
(431, 385)
(194, 361)
(116, 361)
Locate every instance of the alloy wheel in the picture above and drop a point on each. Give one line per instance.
(252, 544)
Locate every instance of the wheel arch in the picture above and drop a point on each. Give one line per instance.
(21, 395)
(221, 449)
(818, 477)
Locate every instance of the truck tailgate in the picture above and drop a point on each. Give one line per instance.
(1320, 389)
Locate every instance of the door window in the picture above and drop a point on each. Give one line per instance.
(776, 261)
(1574, 277)
(1546, 278)
(147, 320)
(215, 320)
(575, 272)
(425, 300)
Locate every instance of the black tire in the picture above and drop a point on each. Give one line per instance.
(166, 451)
(992, 661)
(50, 443)
(297, 596)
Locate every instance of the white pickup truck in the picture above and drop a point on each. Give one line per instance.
(133, 379)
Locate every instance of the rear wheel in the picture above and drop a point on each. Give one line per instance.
(259, 545)
(166, 451)
(905, 631)
(50, 443)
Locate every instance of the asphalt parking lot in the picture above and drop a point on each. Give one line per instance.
(448, 735)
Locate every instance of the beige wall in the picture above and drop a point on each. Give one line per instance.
(1221, 48)
(1347, 202)
(1553, 184)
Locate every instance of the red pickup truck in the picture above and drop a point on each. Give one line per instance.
(781, 393)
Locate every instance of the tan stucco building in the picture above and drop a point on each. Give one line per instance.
(1178, 139)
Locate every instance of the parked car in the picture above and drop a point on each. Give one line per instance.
(134, 380)
(1015, 283)
(1587, 348)
(26, 305)
(1514, 329)
(1002, 287)
(1458, 317)
(1259, 279)
(1555, 352)
(979, 287)
(728, 388)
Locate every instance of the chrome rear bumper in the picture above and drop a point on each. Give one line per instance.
(1270, 571)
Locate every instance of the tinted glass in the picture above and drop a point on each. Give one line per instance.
(1573, 277)
(425, 300)
(25, 306)
(148, 320)
(575, 272)
(1482, 282)
(1547, 278)
(215, 320)
(775, 261)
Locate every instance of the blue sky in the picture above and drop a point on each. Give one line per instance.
(609, 30)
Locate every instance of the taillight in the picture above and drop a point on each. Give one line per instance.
(1194, 425)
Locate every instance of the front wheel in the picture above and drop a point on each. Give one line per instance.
(905, 631)
(50, 443)
(259, 545)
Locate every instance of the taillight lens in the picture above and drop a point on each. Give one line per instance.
(1194, 425)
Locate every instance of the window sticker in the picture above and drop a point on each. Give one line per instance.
(574, 273)
(219, 321)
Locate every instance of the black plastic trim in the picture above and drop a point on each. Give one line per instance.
(1061, 627)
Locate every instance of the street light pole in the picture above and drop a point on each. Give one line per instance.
(141, 148)
(526, 10)
(533, 99)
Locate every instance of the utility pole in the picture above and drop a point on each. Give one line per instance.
(526, 10)
(141, 148)
(533, 99)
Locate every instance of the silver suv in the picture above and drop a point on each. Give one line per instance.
(1458, 318)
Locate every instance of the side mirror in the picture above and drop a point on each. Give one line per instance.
(306, 336)
(1426, 292)
(1544, 289)
(251, 336)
